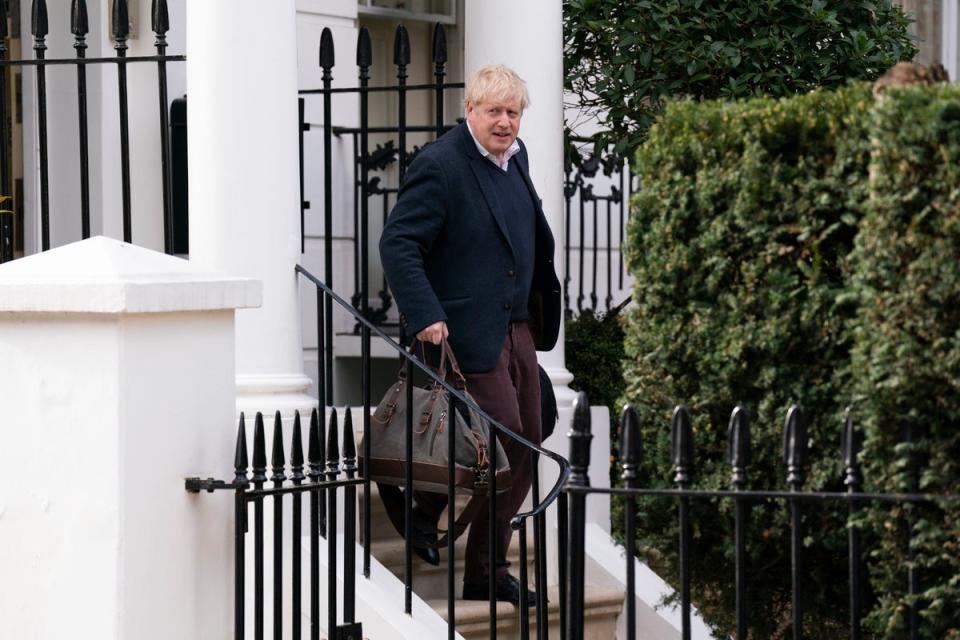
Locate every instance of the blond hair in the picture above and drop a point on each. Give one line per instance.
(497, 83)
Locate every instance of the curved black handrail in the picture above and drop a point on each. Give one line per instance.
(562, 462)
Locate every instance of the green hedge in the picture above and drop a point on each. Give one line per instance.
(749, 290)
(906, 357)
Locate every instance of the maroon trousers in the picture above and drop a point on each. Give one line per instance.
(510, 394)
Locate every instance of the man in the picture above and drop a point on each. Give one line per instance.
(468, 255)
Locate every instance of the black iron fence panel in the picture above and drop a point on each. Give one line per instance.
(79, 28)
(795, 457)
(325, 475)
(377, 171)
(597, 194)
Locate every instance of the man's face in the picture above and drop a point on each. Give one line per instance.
(495, 124)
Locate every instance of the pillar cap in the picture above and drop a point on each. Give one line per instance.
(104, 275)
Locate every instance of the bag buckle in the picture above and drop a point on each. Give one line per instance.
(481, 477)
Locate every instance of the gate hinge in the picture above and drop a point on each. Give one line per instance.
(196, 485)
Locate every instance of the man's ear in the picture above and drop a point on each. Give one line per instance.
(467, 107)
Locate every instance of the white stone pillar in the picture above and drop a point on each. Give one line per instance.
(244, 182)
(117, 383)
(528, 37)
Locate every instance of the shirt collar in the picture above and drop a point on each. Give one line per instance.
(513, 150)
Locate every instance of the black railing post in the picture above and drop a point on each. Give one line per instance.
(259, 477)
(681, 446)
(439, 62)
(240, 482)
(524, 584)
(349, 521)
(539, 552)
(795, 457)
(79, 26)
(492, 530)
(738, 455)
(580, 438)
(160, 22)
(852, 443)
(326, 63)
(302, 127)
(408, 492)
(121, 31)
(401, 58)
(315, 473)
(631, 452)
(296, 477)
(278, 462)
(563, 555)
(596, 249)
(624, 201)
(364, 60)
(608, 301)
(39, 28)
(451, 517)
(333, 470)
(569, 188)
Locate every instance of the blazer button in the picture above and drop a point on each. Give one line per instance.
(510, 273)
(506, 305)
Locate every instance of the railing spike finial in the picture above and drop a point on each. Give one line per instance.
(364, 48)
(439, 44)
(795, 444)
(160, 17)
(580, 438)
(240, 456)
(852, 445)
(39, 22)
(333, 446)
(631, 445)
(315, 451)
(401, 46)
(277, 459)
(259, 450)
(349, 441)
(120, 21)
(681, 444)
(79, 21)
(326, 49)
(296, 449)
(738, 444)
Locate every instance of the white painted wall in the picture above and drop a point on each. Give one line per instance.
(102, 421)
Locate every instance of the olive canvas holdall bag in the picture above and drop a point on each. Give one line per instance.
(431, 419)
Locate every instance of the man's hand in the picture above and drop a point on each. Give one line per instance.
(434, 333)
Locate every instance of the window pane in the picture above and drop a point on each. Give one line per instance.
(442, 7)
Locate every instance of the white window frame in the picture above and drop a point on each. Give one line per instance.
(365, 8)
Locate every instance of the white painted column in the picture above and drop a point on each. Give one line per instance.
(244, 182)
(501, 31)
(117, 383)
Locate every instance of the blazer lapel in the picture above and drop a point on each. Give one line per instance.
(486, 188)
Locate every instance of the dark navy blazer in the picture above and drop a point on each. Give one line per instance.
(447, 255)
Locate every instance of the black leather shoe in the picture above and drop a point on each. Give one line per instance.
(508, 590)
(425, 546)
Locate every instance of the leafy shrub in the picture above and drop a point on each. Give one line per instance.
(737, 245)
(623, 59)
(906, 360)
(804, 250)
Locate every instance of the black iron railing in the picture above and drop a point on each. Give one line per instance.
(326, 296)
(370, 166)
(79, 27)
(320, 481)
(584, 248)
(739, 451)
(321, 485)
